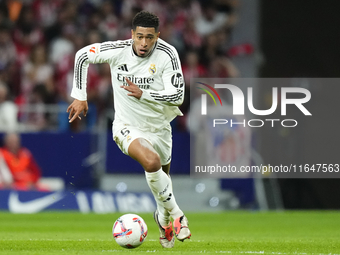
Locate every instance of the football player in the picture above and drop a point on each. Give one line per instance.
(148, 87)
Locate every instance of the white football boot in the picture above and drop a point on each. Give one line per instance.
(181, 226)
(166, 239)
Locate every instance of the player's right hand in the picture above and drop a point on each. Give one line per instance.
(76, 108)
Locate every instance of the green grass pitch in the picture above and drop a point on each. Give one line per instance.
(241, 232)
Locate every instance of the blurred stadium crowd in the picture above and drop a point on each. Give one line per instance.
(39, 38)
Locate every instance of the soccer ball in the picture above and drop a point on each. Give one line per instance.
(129, 231)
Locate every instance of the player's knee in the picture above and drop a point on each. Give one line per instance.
(152, 163)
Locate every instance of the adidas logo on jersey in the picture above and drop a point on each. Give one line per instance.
(123, 68)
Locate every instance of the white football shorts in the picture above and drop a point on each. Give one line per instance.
(161, 140)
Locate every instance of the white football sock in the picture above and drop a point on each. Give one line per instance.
(161, 187)
(163, 215)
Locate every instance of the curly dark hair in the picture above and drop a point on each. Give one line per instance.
(145, 19)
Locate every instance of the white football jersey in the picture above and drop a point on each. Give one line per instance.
(159, 76)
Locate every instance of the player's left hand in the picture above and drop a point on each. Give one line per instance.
(134, 90)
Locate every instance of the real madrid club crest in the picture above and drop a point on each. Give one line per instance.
(152, 69)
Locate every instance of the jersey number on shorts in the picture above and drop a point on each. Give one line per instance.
(125, 132)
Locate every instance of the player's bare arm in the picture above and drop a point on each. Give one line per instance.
(76, 108)
(134, 90)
